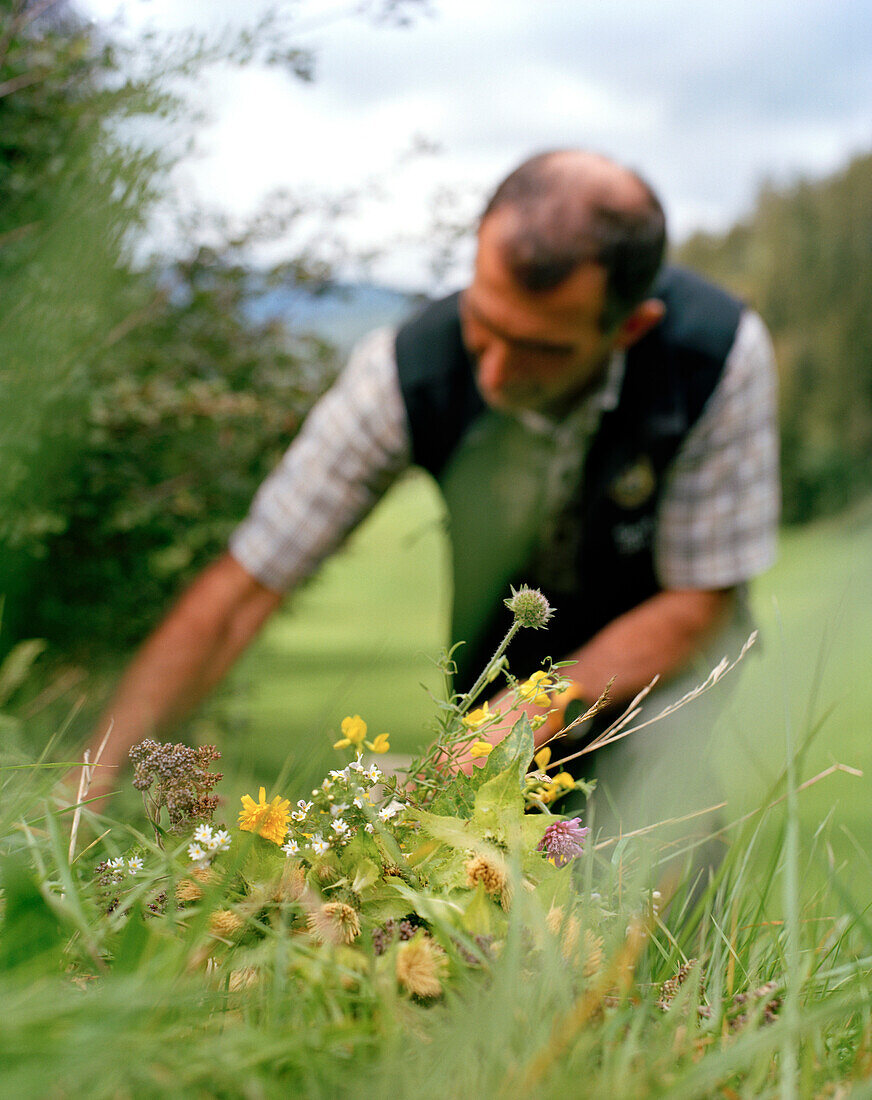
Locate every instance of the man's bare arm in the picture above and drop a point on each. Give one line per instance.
(659, 637)
(191, 650)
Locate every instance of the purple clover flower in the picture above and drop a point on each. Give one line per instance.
(563, 841)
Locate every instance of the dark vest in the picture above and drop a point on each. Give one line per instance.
(670, 375)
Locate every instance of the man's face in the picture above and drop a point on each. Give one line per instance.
(534, 350)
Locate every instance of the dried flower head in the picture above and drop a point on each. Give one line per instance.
(421, 966)
(334, 922)
(563, 841)
(176, 777)
(267, 819)
(243, 978)
(188, 890)
(530, 607)
(291, 885)
(203, 874)
(224, 924)
(490, 872)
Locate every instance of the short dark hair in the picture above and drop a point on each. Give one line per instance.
(563, 225)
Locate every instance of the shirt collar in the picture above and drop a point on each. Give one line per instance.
(604, 398)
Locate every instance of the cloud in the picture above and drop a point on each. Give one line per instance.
(706, 98)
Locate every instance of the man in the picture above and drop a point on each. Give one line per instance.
(596, 433)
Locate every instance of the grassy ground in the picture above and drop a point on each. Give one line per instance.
(362, 637)
(303, 1022)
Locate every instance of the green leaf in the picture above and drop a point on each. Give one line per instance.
(458, 798)
(499, 802)
(364, 874)
(450, 830)
(441, 911)
(481, 914)
(130, 946)
(516, 749)
(31, 929)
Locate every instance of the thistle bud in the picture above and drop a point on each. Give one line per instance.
(529, 607)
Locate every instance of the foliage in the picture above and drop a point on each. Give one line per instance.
(70, 197)
(184, 420)
(141, 406)
(415, 943)
(803, 259)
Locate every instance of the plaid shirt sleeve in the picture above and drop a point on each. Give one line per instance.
(718, 519)
(351, 448)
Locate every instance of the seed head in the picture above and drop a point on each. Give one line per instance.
(188, 890)
(421, 966)
(488, 872)
(529, 607)
(224, 923)
(335, 922)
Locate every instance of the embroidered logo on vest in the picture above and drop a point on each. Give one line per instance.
(635, 484)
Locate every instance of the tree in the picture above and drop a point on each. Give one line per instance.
(804, 259)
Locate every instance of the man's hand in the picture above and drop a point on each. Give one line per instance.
(188, 654)
(657, 638)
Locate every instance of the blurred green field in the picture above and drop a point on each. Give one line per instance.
(362, 638)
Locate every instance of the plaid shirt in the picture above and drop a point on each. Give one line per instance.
(718, 515)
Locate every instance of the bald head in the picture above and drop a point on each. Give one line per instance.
(561, 210)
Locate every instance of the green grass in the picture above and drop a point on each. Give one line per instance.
(361, 638)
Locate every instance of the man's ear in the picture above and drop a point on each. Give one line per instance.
(644, 317)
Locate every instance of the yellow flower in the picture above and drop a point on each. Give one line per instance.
(354, 729)
(532, 690)
(564, 780)
(542, 758)
(477, 718)
(480, 748)
(267, 819)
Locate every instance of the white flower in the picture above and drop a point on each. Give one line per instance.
(368, 827)
(339, 808)
(391, 810)
(203, 834)
(134, 865)
(326, 785)
(116, 864)
(221, 841)
(358, 801)
(319, 845)
(357, 766)
(373, 774)
(336, 774)
(291, 848)
(339, 826)
(303, 806)
(298, 815)
(196, 853)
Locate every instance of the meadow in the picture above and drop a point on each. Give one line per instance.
(438, 949)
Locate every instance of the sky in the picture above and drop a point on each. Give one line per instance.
(707, 99)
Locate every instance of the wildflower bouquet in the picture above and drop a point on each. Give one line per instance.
(413, 874)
